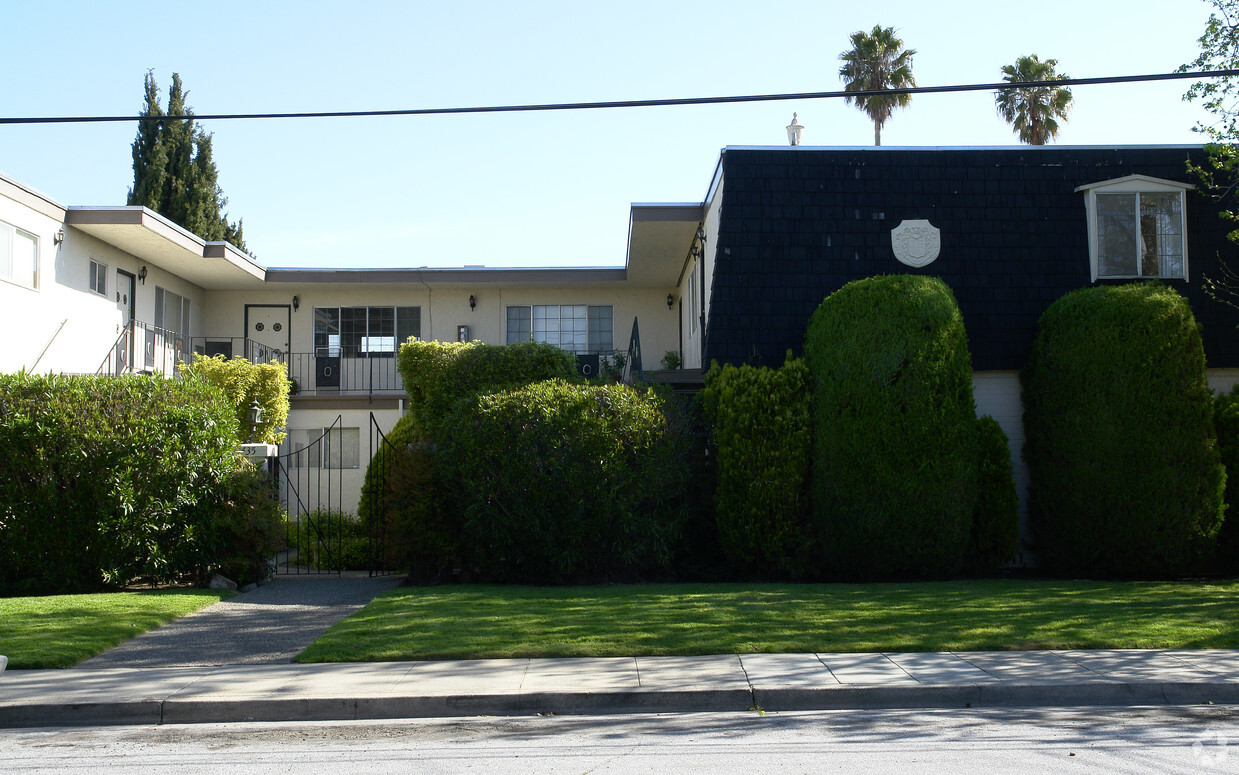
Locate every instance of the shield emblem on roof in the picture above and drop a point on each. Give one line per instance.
(916, 243)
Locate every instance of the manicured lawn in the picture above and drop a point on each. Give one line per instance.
(62, 630)
(463, 622)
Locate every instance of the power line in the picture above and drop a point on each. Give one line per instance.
(1002, 85)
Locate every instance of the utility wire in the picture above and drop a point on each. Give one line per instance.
(1002, 85)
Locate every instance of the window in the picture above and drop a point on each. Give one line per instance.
(1137, 228)
(577, 328)
(172, 312)
(325, 448)
(364, 332)
(19, 256)
(99, 278)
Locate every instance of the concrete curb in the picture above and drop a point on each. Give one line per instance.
(173, 711)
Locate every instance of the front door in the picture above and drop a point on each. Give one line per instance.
(125, 286)
(267, 329)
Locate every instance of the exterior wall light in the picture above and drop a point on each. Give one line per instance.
(296, 303)
(142, 275)
(59, 237)
(670, 301)
(473, 301)
(255, 418)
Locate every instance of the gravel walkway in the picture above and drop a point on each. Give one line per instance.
(269, 625)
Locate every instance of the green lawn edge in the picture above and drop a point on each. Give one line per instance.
(62, 630)
(489, 622)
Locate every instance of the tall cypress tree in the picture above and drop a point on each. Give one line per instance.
(173, 172)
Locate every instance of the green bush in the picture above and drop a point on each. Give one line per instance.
(242, 382)
(1125, 473)
(103, 478)
(760, 420)
(439, 374)
(329, 539)
(894, 429)
(246, 517)
(562, 482)
(402, 503)
(405, 497)
(1226, 421)
(996, 515)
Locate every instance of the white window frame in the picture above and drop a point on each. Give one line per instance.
(565, 324)
(97, 280)
(9, 236)
(324, 448)
(1132, 184)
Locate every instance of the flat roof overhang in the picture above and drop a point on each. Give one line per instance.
(659, 238)
(452, 278)
(152, 238)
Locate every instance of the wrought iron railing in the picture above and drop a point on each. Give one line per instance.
(329, 372)
(144, 349)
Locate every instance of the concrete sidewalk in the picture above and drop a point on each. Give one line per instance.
(773, 682)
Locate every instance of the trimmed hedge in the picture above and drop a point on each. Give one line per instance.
(561, 482)
(404, 502)
(406, 496)
(107, 479)
(996, 515)
(1126, 478)
(439, 374)
(760, 420)
(242, 382)
(1226, 421)
(894, 429)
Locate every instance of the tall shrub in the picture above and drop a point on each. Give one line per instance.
(437, 375)
(894, 429)
(1125, 473)
(760, 420)
(102, 479)
(996, 515)
(564, 482)
(243, 382)
(1226, 421)
(406, 496)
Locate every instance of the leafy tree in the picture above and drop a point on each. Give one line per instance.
(877, 61)
(1218, 175)
(1033, 111)
(173, 172)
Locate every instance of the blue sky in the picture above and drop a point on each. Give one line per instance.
(532, 189)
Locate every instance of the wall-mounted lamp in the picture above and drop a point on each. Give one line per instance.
(59, 237)
(255, 418)
(473, 301)
(142, 275)
(296, 303)
(670, 301)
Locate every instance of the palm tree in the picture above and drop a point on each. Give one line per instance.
(1033, 111)
(877, 62)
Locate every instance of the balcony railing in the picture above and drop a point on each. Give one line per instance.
(327, 372)
(144, 349)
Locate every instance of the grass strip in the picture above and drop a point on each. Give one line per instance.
(473, 622)
(62, 630)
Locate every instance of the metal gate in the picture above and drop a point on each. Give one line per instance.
(377, 504)
(310, 480)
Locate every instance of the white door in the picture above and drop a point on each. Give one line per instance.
(125, 303)
(268, 333)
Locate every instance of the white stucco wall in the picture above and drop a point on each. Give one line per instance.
(443, 309)
(61, 325)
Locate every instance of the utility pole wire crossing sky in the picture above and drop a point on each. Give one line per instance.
(637, 103)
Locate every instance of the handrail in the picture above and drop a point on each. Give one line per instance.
(60, 328)
(125, 331)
